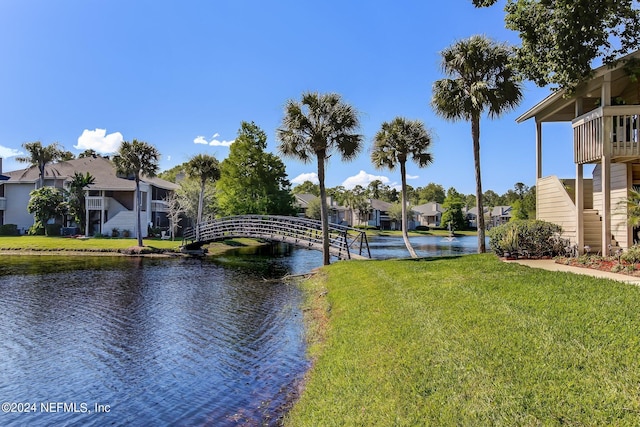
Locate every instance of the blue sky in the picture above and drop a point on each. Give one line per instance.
(184, 75)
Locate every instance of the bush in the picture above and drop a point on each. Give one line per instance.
(53, 229)
(422, 228)
(528, 238)
(9, 230)
(632, 256)
(36, 230)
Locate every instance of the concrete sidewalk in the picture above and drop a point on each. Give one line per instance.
(551, 265)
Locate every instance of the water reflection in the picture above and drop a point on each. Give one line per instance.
(182, 341)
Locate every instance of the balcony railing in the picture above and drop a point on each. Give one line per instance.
(97, 203)
(617, 126)
(159, 206)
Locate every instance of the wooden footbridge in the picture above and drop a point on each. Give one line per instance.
(344, 242)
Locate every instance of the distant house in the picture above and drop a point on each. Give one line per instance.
(495, 216)
(337, 214)
(428, 214)
(109, 201)
(500, 215)
(301, 203)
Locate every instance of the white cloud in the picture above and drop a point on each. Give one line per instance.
(200, 140)
(168, 158)
(214, 142)
(363, 178)
(312, 176)
(412, 176)
(6, 152)
(99, 141)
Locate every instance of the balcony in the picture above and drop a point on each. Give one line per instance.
(97, 203)
(159, 206)
(616, 126)
(3, 203)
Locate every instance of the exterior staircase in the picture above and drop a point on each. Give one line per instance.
(593, 231)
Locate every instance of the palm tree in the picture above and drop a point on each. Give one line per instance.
(481, 79)
(39, 156)
(205, 168)
(319, 125)
(139, 159)
(76, 197)
(393, 145)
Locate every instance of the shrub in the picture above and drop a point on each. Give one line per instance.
(527, 237)
(632, 256)
(36, 230)
(115, 232)
(9, 230)
(53, 229)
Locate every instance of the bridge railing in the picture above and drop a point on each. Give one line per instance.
(344, 241)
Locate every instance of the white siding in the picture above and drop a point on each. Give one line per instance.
(17, 196)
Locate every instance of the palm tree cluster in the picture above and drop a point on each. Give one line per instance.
(480, 79)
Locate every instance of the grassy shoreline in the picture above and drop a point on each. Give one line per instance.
(470, 341)
(36, 245)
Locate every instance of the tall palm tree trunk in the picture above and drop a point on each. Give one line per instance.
(475, 135)
(138, 203)
(405, 225)
(324, 218)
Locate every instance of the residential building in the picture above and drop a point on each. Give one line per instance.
(428, 214)
(109, 201)
(604, 113)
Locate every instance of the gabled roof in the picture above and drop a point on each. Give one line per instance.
(380, 205)
(303, 199)
(431, 208)
(100, 168)
(557, 107)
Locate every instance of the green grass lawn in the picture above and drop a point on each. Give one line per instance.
(44, 243)
(470, 341)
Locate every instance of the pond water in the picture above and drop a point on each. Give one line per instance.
(160, 341)
(144, 341)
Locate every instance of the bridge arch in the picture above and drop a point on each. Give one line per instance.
(344, 242)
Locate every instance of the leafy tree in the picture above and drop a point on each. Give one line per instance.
(203, 168)
(431, 193)
(313, 209)
(172, 174)
(481, 80)
(307, 187)
(318, 126)
(396, 213)
(395, 143)
(76, 197)
(66, 156)
(88, 153)
(374, 189)
(174, 212)
(562, 38)
(137, 159)
(253, 181)
(39, 156)
(45, 203)
(188, 196)
(469, 201)
(357, 201)
(491, 198)
(452, 205)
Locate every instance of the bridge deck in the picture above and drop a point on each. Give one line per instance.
(344, 242)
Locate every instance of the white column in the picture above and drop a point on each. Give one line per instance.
(605, 100)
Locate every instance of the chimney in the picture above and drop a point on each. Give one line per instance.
(0, 165)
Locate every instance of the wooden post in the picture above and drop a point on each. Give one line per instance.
(579, 195)
(605, 137)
